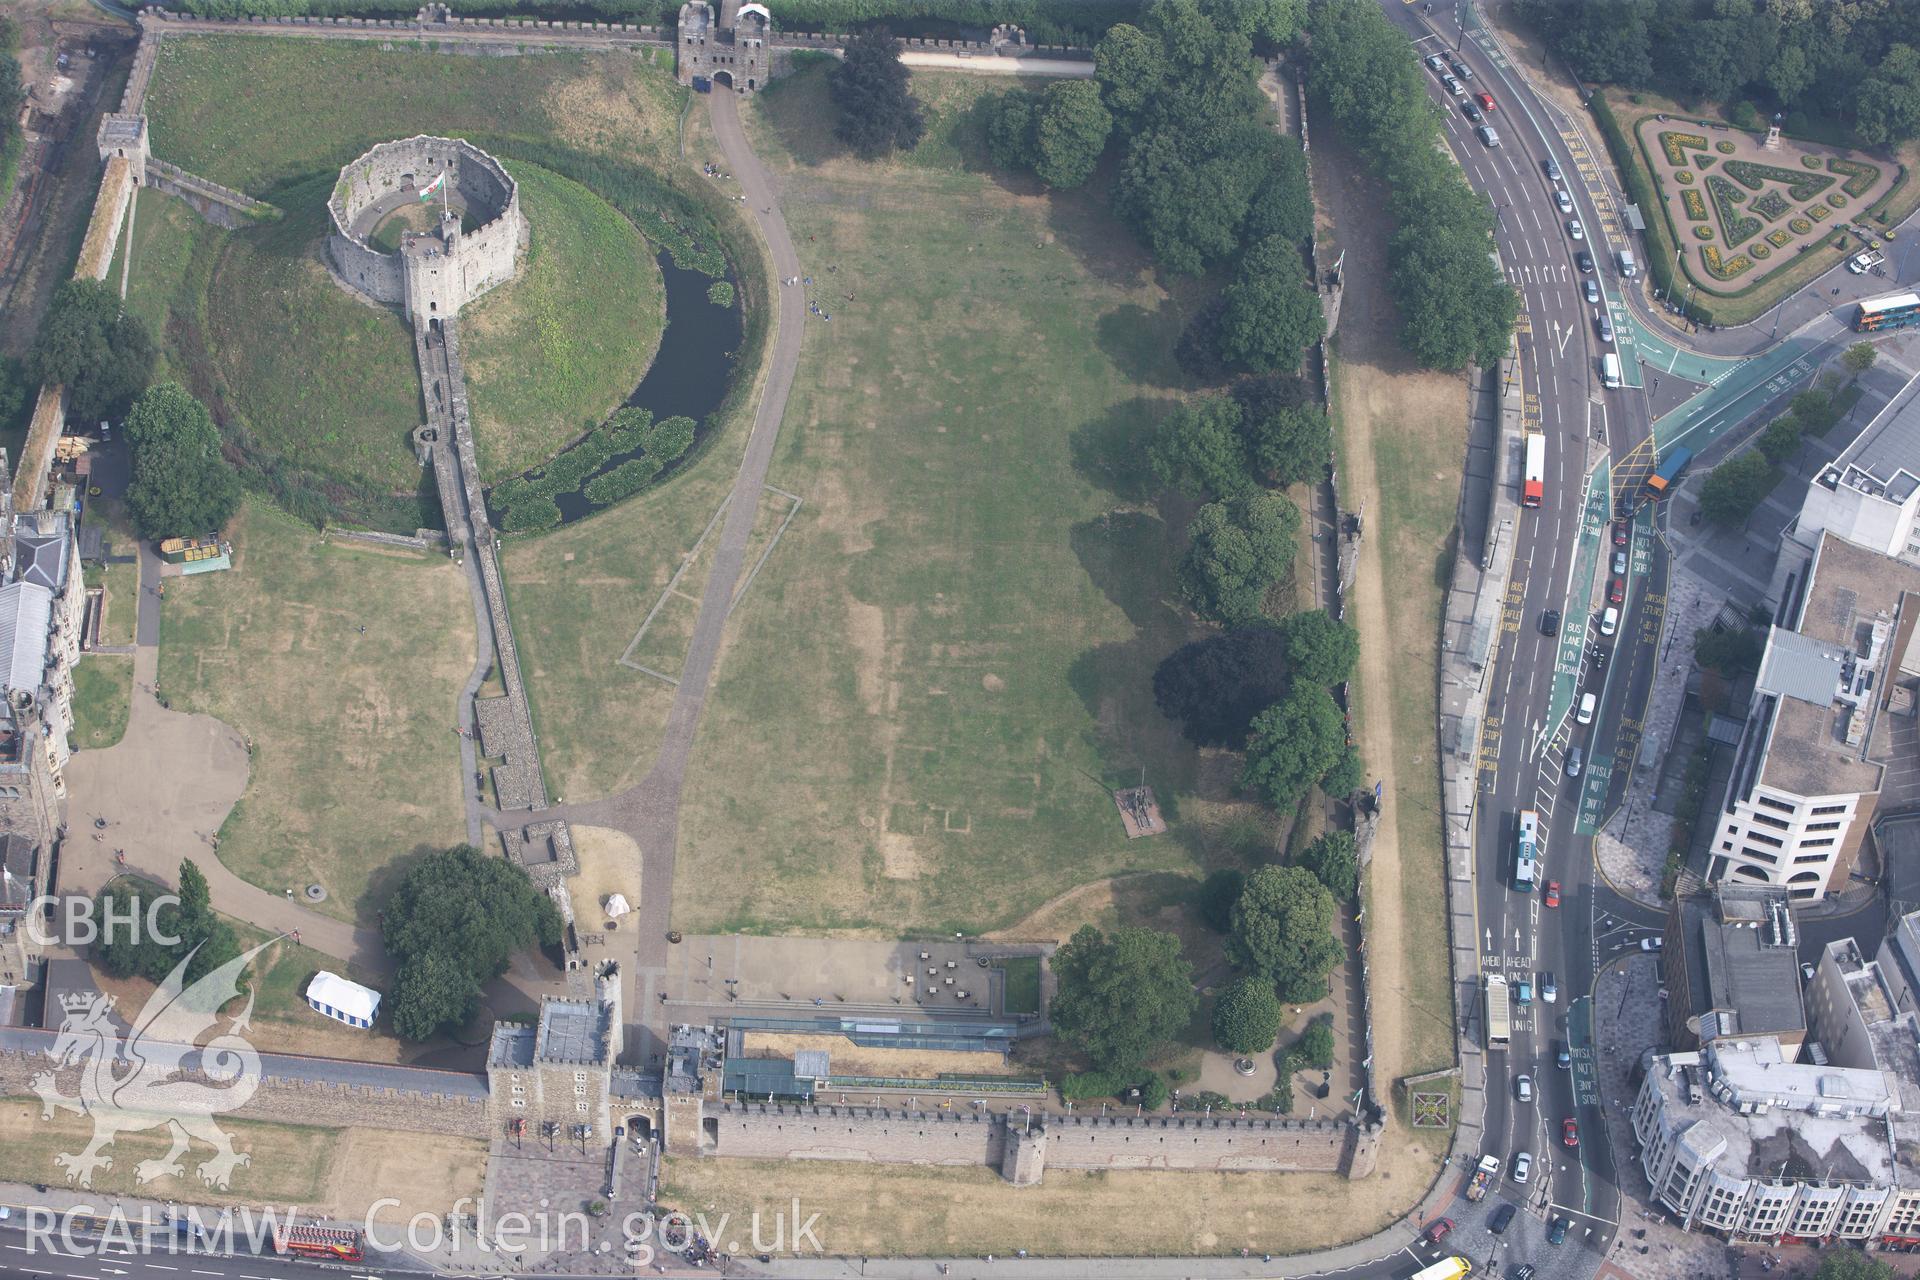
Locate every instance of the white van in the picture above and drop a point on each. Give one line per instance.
(1610, 370)
(1587, 703)
(1609, 621)
(1627, 266)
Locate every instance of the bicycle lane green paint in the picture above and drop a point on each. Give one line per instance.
(1640, 343)
(1577, 618)
(1736, 394)
(1625, 644)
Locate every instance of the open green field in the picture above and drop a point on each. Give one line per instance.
(947, 660)
(549, 355)
(255, 113)
(341, 665)
(102, 691)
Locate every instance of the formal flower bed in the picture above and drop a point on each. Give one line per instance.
(1734, 224)
(1703, 232)
(1859, 176)
(1772, 206)
(1800, 186)
(1810, 162)
(1779, 239)
(1759, 251)
(1799, 226)
(1696, 205)
(1818, 212)
(1836, 201)
(1724, 148)
(1725, 269)
(1676, 146)
(1705, 162)
(1683, 176)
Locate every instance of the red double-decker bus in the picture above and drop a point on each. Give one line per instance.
(309, 1240)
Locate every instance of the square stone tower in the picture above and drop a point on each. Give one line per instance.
(558, 1071)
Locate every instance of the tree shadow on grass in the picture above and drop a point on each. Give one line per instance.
(801, 113)
(1110, 451)
(1141, 343)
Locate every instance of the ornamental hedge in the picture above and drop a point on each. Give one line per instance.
(1772, 206)
(1837, 201)
(1725, 269)
(1703, 232)
(1811, 162)
(1724, 148)
(1677, 144)
(1800, 186)
(1800, 226)
(1696, 205)
(1858, 174)
(1735, 225)
(1759, 250)
(1683, 176)
(1779, 239)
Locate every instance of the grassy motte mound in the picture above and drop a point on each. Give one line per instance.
(550, 354)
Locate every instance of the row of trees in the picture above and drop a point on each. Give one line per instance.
(1736, 488)
(1854, 62)
(1455, 305)
(13, 92)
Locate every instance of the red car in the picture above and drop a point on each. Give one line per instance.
(1619, 533)
(1617, 591)
(1439, 1231)
(1553, 893)
(1569, 1132)
(1485, 100)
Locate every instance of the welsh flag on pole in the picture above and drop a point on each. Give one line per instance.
(427, 192)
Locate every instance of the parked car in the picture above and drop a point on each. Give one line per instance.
(1617, 591)
(1502, 1218)
(1652, 944)
(1553, 887)
(1569, 1132)
(1609, 620)
(1575, 230)
(1552, 169)
(1439, 1231)
(1806, 973)
(1550, 623)
(1592, 289)
(1861, 263)
(1584, 713)
(1620, 561)
(1522, 1167)
(1562, 201)
(1576, 761)
(1557, 1233)
(1584, 261)
(1562, 1056)
(1549, 990)
(1485, 100)
(1621, 532)
(1605, 325)
(1523, 1088)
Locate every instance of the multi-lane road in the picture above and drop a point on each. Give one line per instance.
(1563, 562)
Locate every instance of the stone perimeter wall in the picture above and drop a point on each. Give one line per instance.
(288, 1101)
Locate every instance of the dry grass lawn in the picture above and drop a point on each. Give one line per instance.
(341, 665)
(330, 1172)
(894, 1210)
(1399, 423)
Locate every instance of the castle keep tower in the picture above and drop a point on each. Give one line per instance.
(558, 1072)
(473, 227)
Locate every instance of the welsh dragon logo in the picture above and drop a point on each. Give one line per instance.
(144, 1081)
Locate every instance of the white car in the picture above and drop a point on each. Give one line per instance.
(1652, 944)
(1454, 87)
(1548, 991)
(1522, 1168)
(1575, 230)
(1436, 63)
(1861, 263)
(1523, 1088)
(1563, 201)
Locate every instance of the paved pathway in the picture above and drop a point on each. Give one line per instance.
(649, 811)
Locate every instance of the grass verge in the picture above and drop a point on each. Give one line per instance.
(102, 693)
(341, 665)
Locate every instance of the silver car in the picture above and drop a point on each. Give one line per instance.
(1575, 230)
(1522, 1167)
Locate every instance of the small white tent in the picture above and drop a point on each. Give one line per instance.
(617, 906)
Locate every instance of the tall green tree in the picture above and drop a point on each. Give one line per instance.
(1246, 1016)
(1129, 65)
(1290, 445)
(878, 113)
(1271, 313)
(1320, 649)
(1009, 128)
(1239, 548)
(1736, 488)
(1888, 103)
(1292, 746)
(182, 485)
(1198, 451)
(1119, 997)
(1333, 857)
(1275, 21)
(89, 344)
(1858, 358)
(452, 924)
(1849, 1264)
(1214, 687)
(1283, 931)
(1070, 131)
